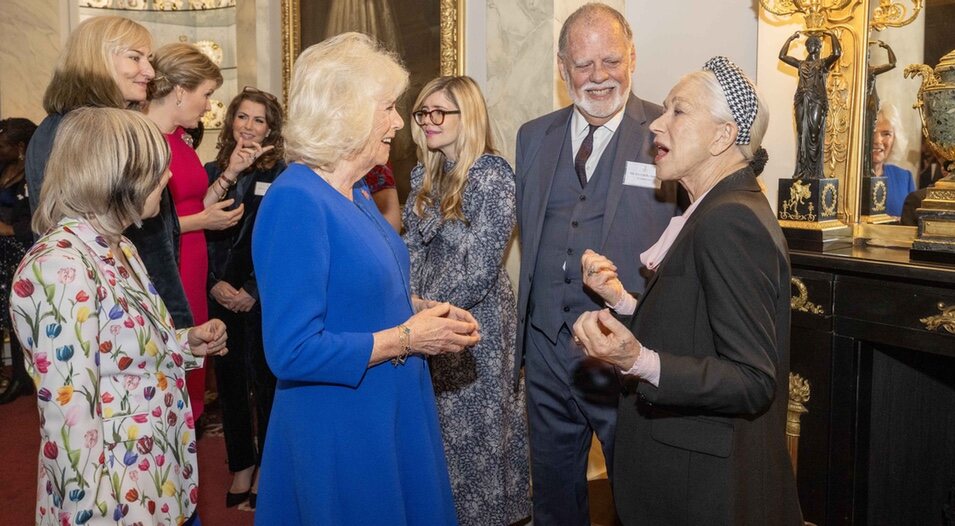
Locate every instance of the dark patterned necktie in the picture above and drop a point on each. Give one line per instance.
(586, 148)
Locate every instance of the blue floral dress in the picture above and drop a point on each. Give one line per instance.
(117, 437)
(482, 415)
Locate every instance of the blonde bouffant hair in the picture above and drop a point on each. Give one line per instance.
(110, 186)
(84, 71)
(336, 88)
(474, 140)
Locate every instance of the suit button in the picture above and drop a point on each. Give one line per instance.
(573, 224)
(566, 280)
(583, 197)
(570, 252)
(566, 308)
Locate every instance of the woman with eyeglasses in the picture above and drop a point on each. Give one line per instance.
(458, 220)
(178, 97)
(246, 386)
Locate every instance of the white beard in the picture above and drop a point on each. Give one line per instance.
(600, 109)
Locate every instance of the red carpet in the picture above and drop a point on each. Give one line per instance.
(19, 444)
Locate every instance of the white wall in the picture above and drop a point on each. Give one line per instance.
(675, 38)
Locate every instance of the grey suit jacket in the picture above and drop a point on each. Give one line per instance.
(634, 217)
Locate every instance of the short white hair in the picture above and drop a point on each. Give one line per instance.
(719, 108)
(891, 114)
(336, 88)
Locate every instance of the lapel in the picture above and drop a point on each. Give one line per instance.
(743, 180)
(630, 135)
(549, 153)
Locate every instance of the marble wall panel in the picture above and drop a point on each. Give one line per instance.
(33, 33)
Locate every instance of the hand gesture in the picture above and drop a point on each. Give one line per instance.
(603, 337)
(216, 217)
(224, 294)
(208, 339)
(600, 276)
(244, 154)
(442, 329)
(243, 301)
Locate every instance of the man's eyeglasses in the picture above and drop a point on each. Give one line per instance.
(250, 89)
(436, 116)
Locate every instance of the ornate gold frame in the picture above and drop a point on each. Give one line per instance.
(452, 38)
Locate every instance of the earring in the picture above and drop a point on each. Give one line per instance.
(268, 133)
(20, 157)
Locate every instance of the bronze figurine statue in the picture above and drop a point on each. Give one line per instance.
(811, 102)
(872, 102)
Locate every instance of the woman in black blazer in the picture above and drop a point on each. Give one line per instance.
(251, 155)
(705, 350)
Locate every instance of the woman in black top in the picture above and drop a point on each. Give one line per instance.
(251, 152)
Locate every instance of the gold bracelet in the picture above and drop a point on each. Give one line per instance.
(404, 340)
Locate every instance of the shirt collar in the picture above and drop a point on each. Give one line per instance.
(578, 123)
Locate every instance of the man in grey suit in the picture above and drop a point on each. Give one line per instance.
(585, 179)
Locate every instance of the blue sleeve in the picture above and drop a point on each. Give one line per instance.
(291, 250)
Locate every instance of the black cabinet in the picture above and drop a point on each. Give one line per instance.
(874, 334)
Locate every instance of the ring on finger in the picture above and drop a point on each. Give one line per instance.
(591, 271)
(576, 340)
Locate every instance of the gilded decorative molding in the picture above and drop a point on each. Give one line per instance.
(799, 192)
(817, 13)
(291, 42)
(799, 392)
(452, 30)
(829, 200)
(838, 123)
(451, 25)
(894, 14)
(945, 320)
(800, 301)
(798, 396)
(879, 194)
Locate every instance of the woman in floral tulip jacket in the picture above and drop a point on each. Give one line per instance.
(117, 434)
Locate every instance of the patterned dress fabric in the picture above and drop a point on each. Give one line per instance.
(347, 443)
(188, 186)
(117, 438)
(482, 416)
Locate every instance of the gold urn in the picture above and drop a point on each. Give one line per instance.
(936, 105)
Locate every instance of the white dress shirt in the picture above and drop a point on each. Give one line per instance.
(579, 127)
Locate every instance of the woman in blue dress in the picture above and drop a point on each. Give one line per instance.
(889, 142)
(353, 436)
(458, 220)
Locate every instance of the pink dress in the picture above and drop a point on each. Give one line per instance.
(188, 186)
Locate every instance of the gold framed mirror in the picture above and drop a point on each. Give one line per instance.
(428, 35)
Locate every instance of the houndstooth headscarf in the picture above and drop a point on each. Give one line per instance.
(739, 91)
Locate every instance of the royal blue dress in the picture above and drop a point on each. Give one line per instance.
(346, 444)
(900, 185)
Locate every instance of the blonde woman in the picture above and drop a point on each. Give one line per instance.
(178, 96)
(459, 218)
(353, 436)
(118, 444)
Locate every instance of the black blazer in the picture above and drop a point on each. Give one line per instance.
(230, 250)
(708, 445)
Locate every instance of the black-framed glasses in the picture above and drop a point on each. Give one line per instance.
(436, 116)
(252, 89)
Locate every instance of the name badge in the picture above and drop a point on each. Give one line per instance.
(642, 175)
(261, 187)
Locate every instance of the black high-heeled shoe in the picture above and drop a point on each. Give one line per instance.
(252, 498)
(16, 388)
(234, 499)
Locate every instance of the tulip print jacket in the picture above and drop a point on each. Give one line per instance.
(117, 434)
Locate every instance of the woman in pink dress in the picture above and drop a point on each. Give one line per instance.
(179, 95)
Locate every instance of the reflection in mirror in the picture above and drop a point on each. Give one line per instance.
(924, 41)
